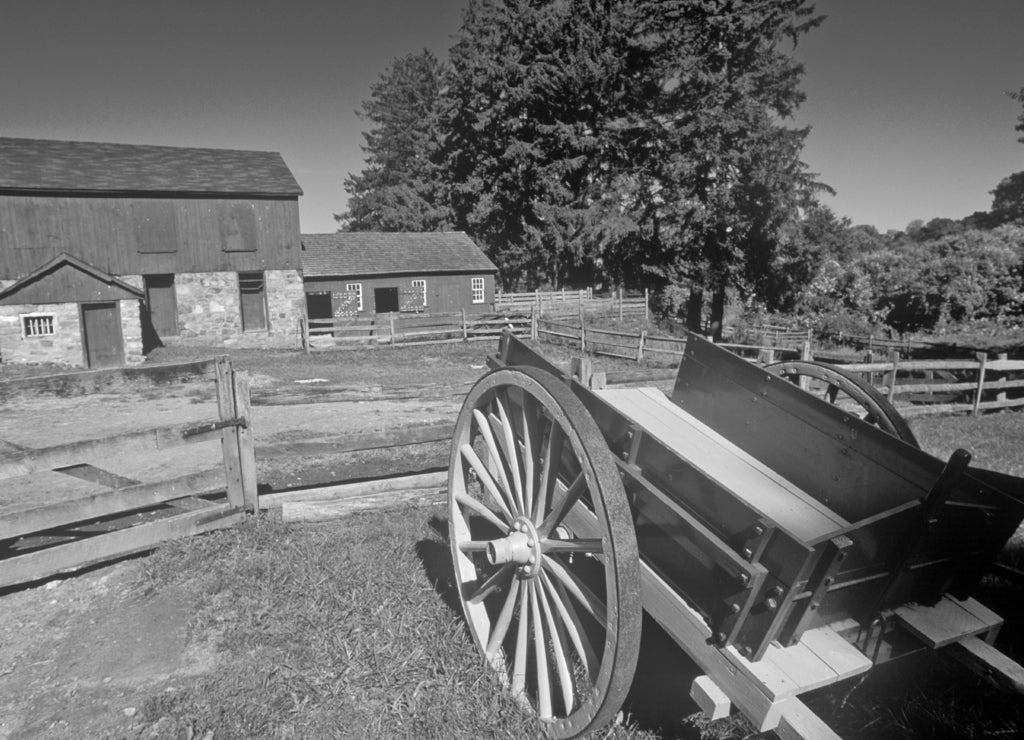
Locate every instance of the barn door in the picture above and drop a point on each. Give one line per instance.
(101, 335)
(385, 300)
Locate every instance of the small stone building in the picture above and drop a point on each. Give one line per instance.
(208, 238)
(363, 273)
(95, 322)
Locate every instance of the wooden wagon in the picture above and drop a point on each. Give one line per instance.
(785, 542)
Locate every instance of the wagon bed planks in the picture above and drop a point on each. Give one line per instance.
(718, 458)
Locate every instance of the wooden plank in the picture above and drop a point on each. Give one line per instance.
(803, 666)
(983, 614)
(712, 701)
(798, 722)
(75, 555)
(985, 660)
(842, 657)
(89, 381)
(227, 409)
(62, 456)
(943, 624)
(727, 464)
(439, 432)
(322, 511)
(436, 479)
(120, 500)
(91, 473)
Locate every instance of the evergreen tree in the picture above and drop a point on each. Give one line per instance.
(401, 187)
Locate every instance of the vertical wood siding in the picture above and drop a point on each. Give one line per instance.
(446, 292)
(105, 232)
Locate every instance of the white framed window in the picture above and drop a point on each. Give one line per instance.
(356, 289)
(477, 286)
(38, 325)
(420, 286)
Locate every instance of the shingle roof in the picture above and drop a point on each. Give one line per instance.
(62, 166)
(375, 253)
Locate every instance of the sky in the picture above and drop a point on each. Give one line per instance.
(905, 98)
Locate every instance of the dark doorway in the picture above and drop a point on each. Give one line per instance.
(101, 335)
(253, 300)
(160, 314)
(318, 306)
(385, 300)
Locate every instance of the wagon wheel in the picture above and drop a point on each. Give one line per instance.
(876, 408)
(544, 549)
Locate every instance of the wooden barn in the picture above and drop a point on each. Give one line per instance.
(105, 248)
(362, 273)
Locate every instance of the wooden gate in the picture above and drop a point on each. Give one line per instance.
(38, 541)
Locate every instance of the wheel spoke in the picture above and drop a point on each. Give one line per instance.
(571, 620)
(540, 656)
(504, 620)
(511, 452)
(832, 393)
(561, 508)
(552, 454)
(561, 664)
(591, 547)
(519, 664)
(473, 546)
(479, 508)
(528, 415)
(497, 579)
(492, 449)
(486, 480)
(587, 598)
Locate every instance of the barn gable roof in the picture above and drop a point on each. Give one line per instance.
(40, 165)
(33, 288)
(377, 253)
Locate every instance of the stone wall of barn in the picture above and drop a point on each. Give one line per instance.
(209, 310)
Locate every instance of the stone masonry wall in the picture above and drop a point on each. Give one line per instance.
(63, 347)
(209, 310)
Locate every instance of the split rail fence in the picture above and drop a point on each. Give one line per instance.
(573, 302)
(39, 541)
(396, 328)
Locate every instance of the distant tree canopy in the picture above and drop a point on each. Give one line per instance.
(631, 142)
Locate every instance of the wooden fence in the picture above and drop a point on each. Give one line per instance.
(922, 387)
(38, 541)
(402, 328)
(574, 302)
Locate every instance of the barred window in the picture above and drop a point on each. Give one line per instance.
(421, 286)
(37, 326)
(477, 285)
(253, 300)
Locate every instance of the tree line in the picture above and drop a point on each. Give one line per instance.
(629, 143)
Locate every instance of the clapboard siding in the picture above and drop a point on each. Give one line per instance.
(103, 231)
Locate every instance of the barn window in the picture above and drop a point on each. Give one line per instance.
(356, 289)
(238, 227)
(155, 226)
(252, 290)
(477, 284)
(37, 325)
(420, 286)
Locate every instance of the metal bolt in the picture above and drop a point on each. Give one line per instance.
(758, 530)
(735, 608)
(532, 560)
(744, 578)
(748, 553)
(722, 637)
(771, 603)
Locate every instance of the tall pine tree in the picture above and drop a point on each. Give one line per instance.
(401, 187)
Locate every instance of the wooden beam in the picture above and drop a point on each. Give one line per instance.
(117, 501)
(985, 660)
(437, 479)
(712, 701)
(321, 511)
(89, 381)
(798, 722)
(62, 456)
(76, 555)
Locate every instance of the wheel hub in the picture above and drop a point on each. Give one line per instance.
(521, 547)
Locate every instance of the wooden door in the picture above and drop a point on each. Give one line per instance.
(162, 304)
(101, 335)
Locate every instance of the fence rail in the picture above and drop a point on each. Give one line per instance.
(574, 302)
(189, 507)
(392, 329)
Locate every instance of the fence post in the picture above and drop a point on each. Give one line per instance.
(640, 346)
(892, 378)
(646, 303)
(1001, 395)
(237, 471)
(465, 332)
(533, 324)
(391, 325)
(583, 331)
(246, 445)
(805, 351)
(620, 304)
(304, 331)
(982, 359)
